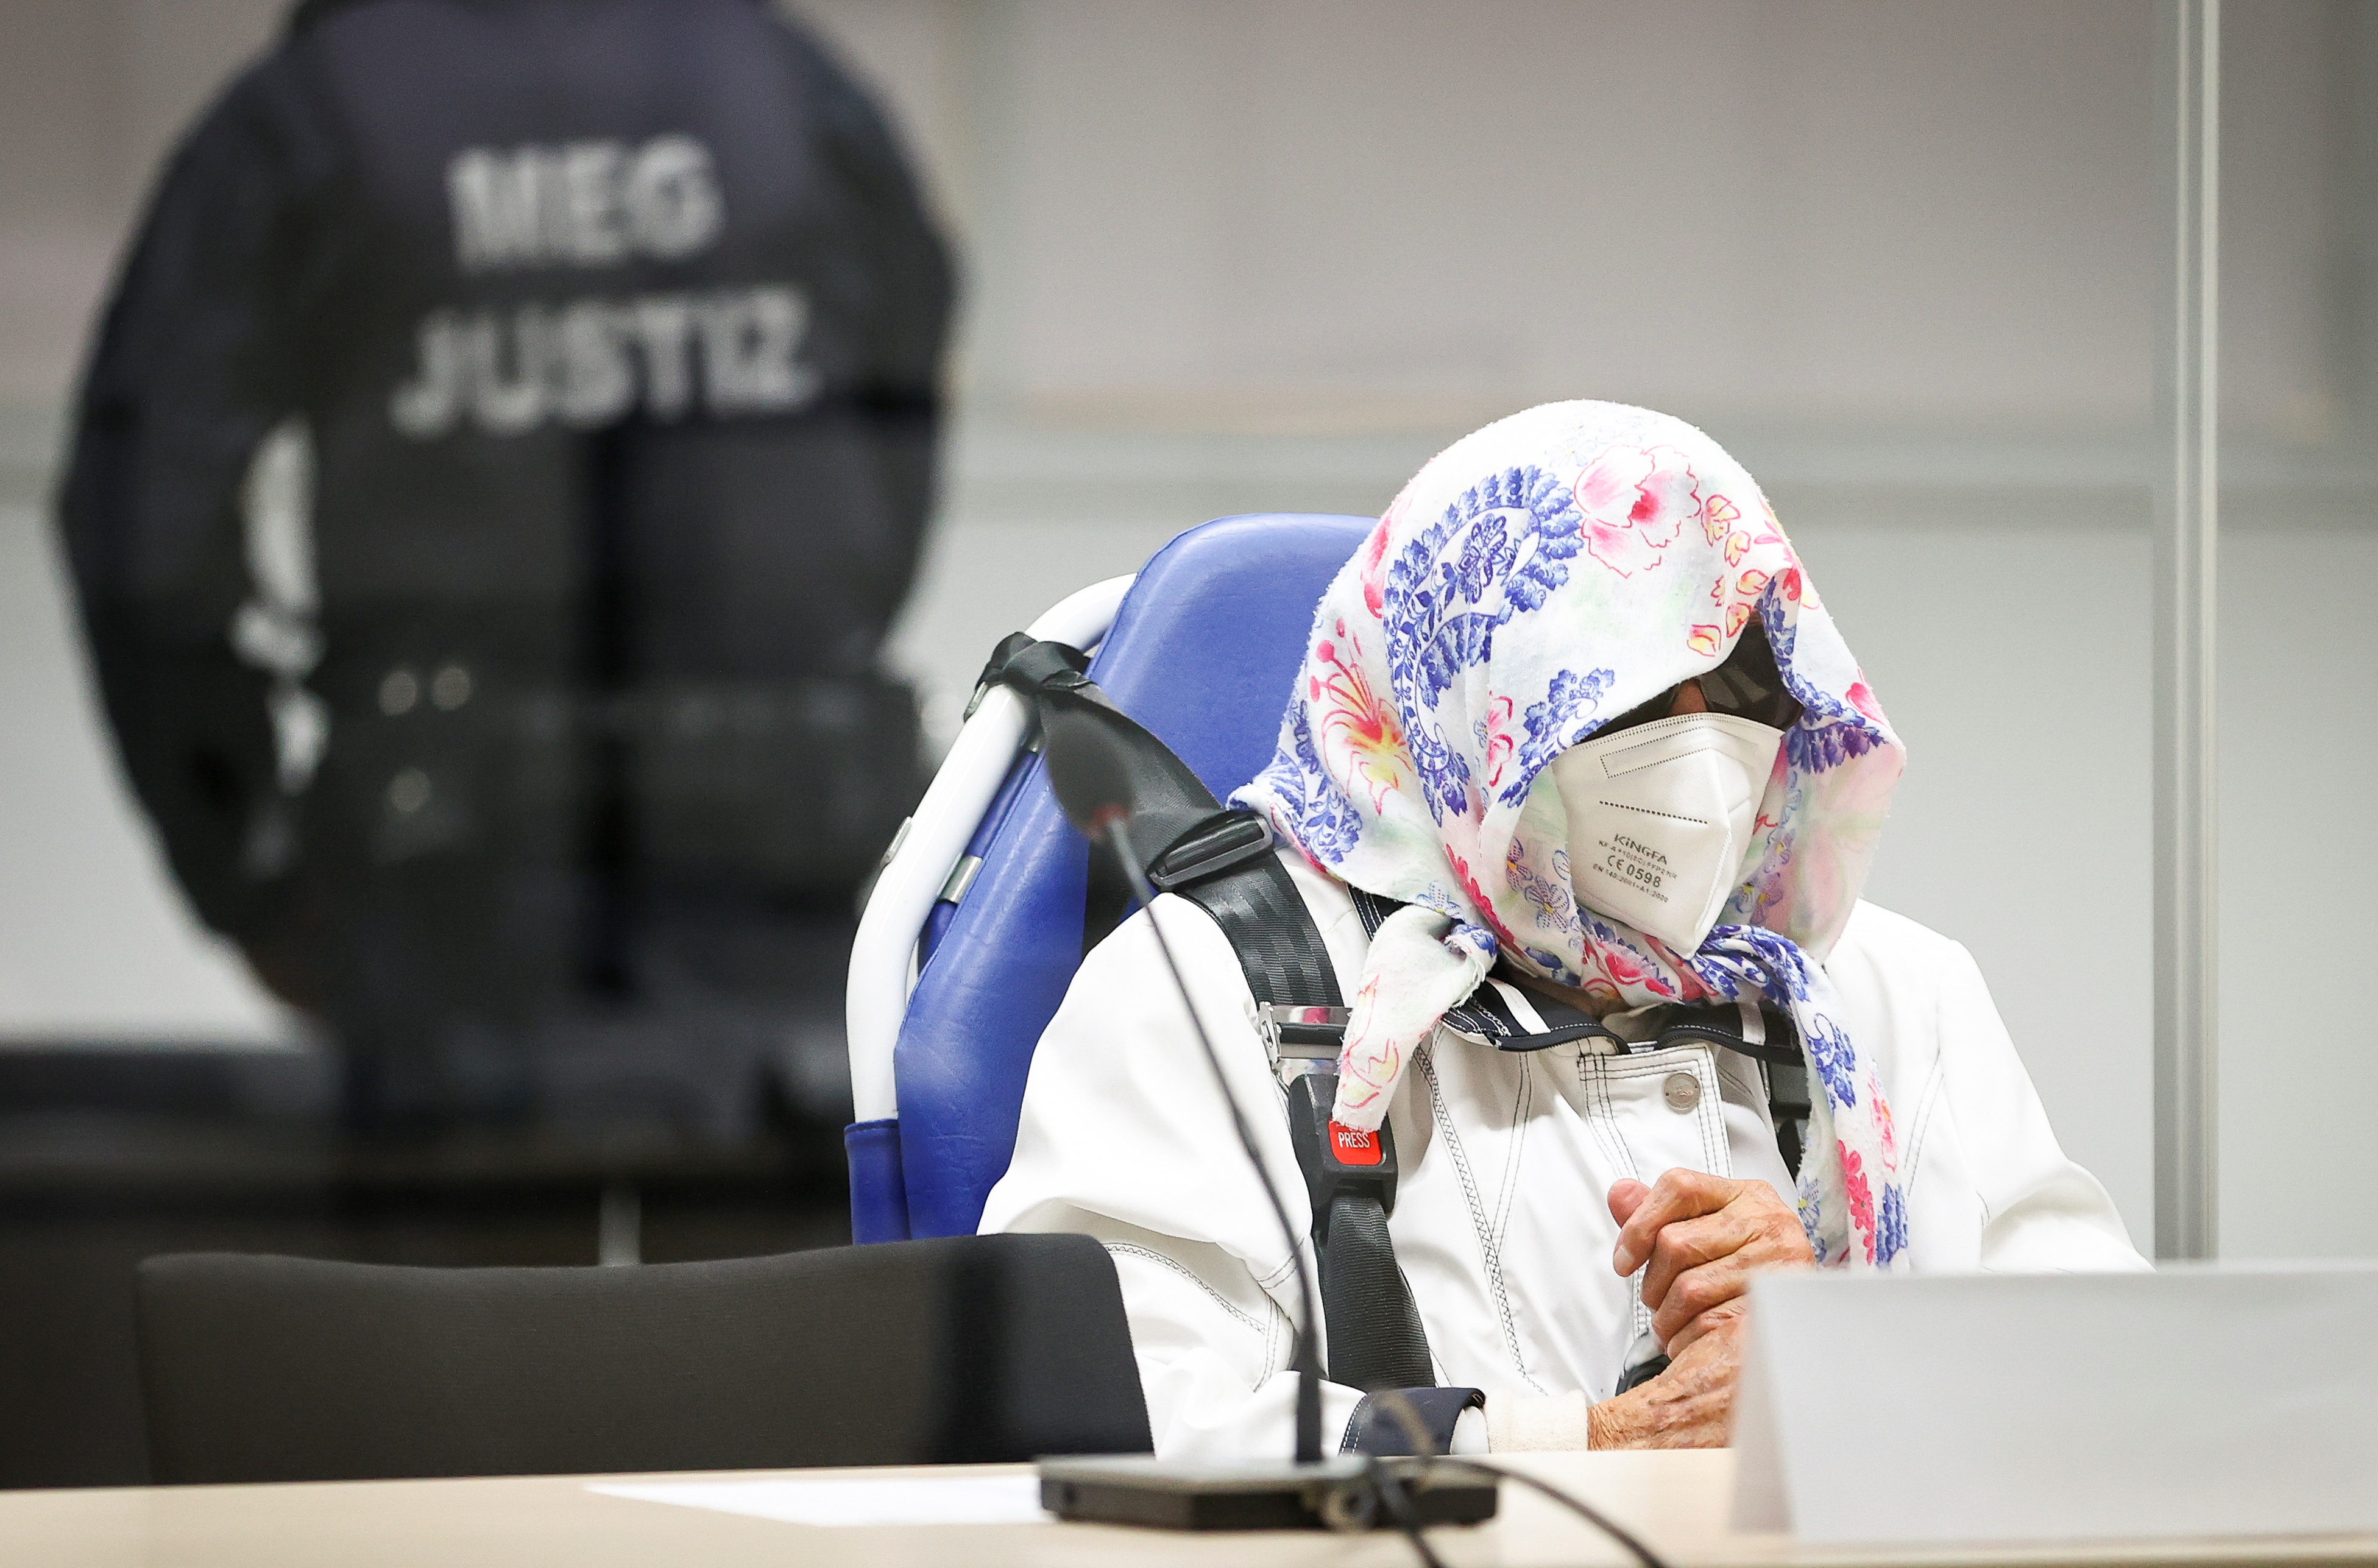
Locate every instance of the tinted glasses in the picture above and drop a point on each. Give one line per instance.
(1747, 686)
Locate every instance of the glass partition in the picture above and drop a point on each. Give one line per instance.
(2299, 731)
(1903, 259)
(1908, 259)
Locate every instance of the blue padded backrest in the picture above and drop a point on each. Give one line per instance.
(1204, 653)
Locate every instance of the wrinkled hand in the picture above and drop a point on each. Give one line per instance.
(1705, 1237)
(1692, 1404)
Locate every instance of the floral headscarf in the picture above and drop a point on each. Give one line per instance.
(1535, 581)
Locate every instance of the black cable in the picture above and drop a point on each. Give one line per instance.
(1576, 1505)
(1393, 1497)
(1309, 1392)
(1399, 1407)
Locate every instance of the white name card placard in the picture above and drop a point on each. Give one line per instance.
(2199, 1401)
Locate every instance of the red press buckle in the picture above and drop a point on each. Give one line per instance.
(1353, 1146)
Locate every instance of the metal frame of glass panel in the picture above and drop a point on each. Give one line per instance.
(2186, 531)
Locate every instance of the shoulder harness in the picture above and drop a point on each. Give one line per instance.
(1222, 859)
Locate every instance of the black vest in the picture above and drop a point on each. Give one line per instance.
(616, 325)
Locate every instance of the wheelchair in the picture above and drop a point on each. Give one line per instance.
(975, 924)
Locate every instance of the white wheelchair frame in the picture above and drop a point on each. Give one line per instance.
(919, 867)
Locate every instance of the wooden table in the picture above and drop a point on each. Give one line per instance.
(1678, 1501)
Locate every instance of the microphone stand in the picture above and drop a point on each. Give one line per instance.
(1090, 763)
(1306, 1360)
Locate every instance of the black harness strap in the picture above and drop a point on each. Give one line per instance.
(1222, 861)
(1264, 915)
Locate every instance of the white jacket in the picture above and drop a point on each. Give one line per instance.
(1500, 1222)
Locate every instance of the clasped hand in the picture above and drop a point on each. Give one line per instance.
(1699, 1240)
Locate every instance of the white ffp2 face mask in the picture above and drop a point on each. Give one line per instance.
(1660, 817)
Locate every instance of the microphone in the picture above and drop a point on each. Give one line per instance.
(1089, 763)
(1093, 754)
(1089, 767)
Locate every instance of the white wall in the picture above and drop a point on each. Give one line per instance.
(1846, 209)
(94, 943)
(1225, 255)
(2298, 924)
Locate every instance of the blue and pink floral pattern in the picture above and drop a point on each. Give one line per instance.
(1535, 581)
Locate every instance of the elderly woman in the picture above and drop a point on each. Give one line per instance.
(1575, 735)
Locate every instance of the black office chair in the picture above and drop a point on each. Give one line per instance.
(959, 1349)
